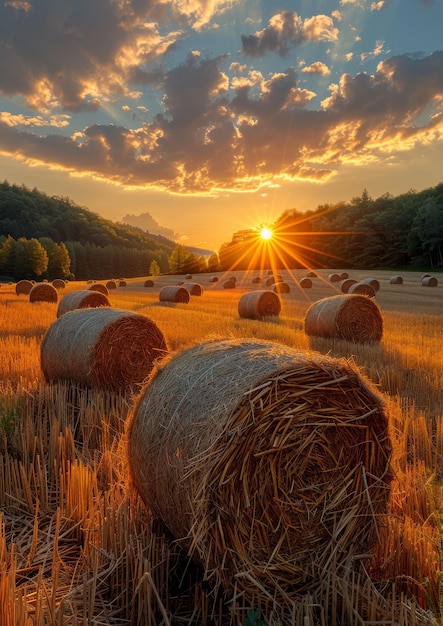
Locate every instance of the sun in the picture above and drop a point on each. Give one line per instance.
(266, 233)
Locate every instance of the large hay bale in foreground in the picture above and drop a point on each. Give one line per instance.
(255, 305)
(174, 293)
(351, 317)
(81, 299)
(195, 289)
(23, 287)
(270, 465)
(101, 347)
(99, 287)
(43, 292)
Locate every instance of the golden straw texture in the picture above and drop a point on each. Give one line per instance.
(351, 317)
(43, 292)
(270, 465)
(174, 293)
(23, 287)
(101, 347)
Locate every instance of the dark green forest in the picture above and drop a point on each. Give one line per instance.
(43, 237)
(404, 231)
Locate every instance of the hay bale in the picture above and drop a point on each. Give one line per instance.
(282, 287)
(362, 289)
(371, 281)
(256, 280)
(229, 284)
(59, 283)
(122, 283)
(188, 276)
(351, 317)
(111, 284)
(149, 283)
(214, 279)
(23, 287)
(101, 347)
(396, 280)
(99, 287)
(424, 276)
(43, 292)
(82, 299)
(174, 293)
(270, 465)
(429, 281)
(311, 274)
(255, 305)
(344, 275)
(195, 289)
(334, 277)
(346, 284)
(270, 281)
(306, 283)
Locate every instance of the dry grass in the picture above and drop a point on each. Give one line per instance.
(76, 549)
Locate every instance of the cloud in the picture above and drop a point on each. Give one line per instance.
(287, 30)
(318, 67)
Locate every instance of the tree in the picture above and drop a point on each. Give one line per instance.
(427, 230)
(177, 260)
(35, 256)
(154, 268)
(59, 261)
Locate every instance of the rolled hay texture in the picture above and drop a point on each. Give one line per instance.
(429, 281)
(111, 284)
(43, 292)
(346, 284)
(122, 283)
(362, 289)
(149, 283)
(229, 284)
(306, 283)
(195, 289)
(334, 278)
(344, 275)
(269, 465)
(351, 317)
(102, 348)
(255, 305)
(174, 293)
(371, 281)
(82, 299)
(99, 287)
(23, 287)
(282, 287)
(59, 283)
(396, 280)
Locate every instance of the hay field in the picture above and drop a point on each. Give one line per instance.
(77, 547)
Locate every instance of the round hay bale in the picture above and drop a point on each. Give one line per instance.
(424, 276)
(282, 287)
(334, 278)
(111, 284)
(362, 289)
(43, 292)
(122, 283)
(214, 279)
(270, 465)
(102, 347)
(311, 274)
(149, 283)
(82, 299)
(396, 280)
(229, 284)
(23, 287)
(351, 317)
(373, 282)
(59, 283)
(188, 276)
(306, 283)
(195, 289)
(99, 287)
(344, 275)
(174, 293)
(270, 281)
(256, 280)
(429, 281)
(346, 284)
(255, 305)
(233, 278)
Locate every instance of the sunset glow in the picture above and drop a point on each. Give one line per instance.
(266, 233)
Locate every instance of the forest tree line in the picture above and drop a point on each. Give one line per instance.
(44, 237)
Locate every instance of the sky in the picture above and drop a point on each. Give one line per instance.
(205, 117)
